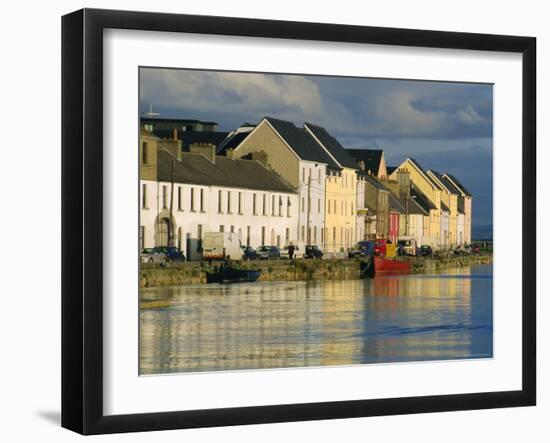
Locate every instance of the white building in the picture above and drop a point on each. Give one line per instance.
(214, 194)
(301, 162)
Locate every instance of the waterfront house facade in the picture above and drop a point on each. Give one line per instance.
(341, 193)
(184, 196)
(301, 162)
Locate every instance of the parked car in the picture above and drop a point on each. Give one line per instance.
(268, 252)
(426, 251)
(297, 252)
(172, 253)
(249, 253)
(221, 245)
(313, 251)
(152, 255)
(459, 250)
(407, 245)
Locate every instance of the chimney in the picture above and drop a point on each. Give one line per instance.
(206, 149)
(361, 164)
(404, 180)
(174, 134)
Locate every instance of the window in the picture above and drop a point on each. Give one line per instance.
(248, 236)
(222, 228)
(288, 206)
(164, 196)
(303, 174)
(144, 196)
(229, 202)
(240, 203)
(280, 206)
(319, 175)
(202, 200)
(309, 205)
(263, 235)
(263, 207)
(180, 235)
(272, 205)
(322, 236)
(287, 235)
(335, 207)
(144, 153)
(334, 237)
(220, 203)
(254, 204)
(303, 232)
(318, 205)
(303, 204)
(232, 229)
(315, 235)
(328, 206)
(192, 199)
(141, 237)
(179, 199)
(352, 209)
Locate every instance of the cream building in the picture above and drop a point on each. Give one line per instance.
(184, 195)
(294, 155)
(341, 193)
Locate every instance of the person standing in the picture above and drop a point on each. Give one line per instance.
(291, 249)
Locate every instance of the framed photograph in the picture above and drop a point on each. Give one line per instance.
(269, 221)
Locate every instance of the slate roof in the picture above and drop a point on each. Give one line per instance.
(444, 207)
(371, 157)
(232, 140)
(446, 182)
(412, 207)
(423, 201)
(197, 169)
(303, 144)
(332, 145)
(395, 205)
(374, 182)
(459, 185)
(390, 169)
(189, 137)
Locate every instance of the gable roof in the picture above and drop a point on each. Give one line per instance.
(449, 186)
(423, 201)
(301, 142)
(371, 157)
(332, 145)
(370, 179)
(395, 205)
(233, 139)
(195, 168)
(458, 185)
(430, 179)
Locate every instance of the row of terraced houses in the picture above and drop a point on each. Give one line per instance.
(274, 183)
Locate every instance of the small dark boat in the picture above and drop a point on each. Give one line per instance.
(228, 274)
(367, 267)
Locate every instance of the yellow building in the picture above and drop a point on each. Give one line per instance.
(341, 193)
(449, 196)
(425, 186)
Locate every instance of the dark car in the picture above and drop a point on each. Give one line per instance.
(313, 251)
(249, 253)
(172, 253)
(426, 251)
(268, 252)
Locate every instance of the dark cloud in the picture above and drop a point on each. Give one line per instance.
(446, 126)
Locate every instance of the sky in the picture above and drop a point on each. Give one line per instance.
(445, 126)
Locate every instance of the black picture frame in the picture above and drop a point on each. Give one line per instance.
(82, 219)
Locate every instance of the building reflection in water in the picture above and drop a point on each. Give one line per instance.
(297, 324)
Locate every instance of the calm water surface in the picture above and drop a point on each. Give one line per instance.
(292, 324)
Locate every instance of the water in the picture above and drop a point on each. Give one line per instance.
(296, 324)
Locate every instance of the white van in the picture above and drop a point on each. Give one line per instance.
(408, 244)
(221, 245)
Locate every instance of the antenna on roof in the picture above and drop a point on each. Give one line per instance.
(151, 113)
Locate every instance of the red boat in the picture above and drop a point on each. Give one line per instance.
(383, 265)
